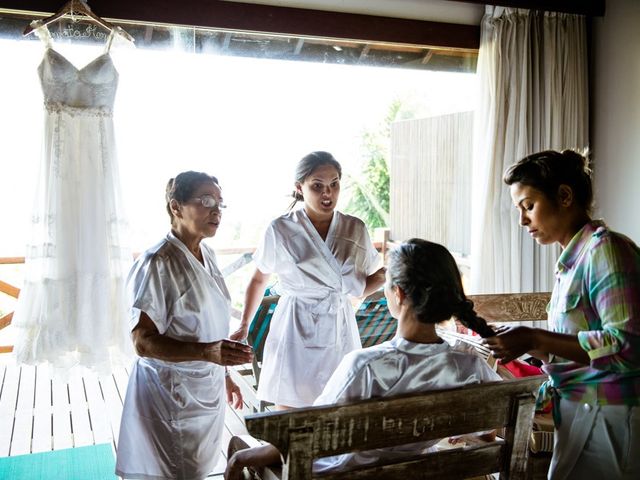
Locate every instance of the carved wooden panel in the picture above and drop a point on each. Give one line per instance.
(512, 307)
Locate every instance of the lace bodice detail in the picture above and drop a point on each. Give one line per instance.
(93, 86)
(63, 84)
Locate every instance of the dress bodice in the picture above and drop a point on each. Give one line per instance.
(93, 85)
(64, 85)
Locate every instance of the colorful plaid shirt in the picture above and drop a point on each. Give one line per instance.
(597, 298)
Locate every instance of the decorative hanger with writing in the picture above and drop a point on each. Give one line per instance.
(78, 10)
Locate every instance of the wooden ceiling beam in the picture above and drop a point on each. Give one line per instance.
(219, 14)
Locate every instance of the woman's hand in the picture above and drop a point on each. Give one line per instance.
(234, 470)
(511, 342)
(241, 333)
(234, 395)
(227, 352)
(254, 456)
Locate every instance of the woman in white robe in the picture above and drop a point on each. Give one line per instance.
(423, 288)
(173, 413)
(321, 257)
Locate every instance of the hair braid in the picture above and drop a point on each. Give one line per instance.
(470, 319)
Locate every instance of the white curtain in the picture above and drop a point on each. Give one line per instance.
(532, 70)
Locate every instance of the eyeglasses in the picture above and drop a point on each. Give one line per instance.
(209, 201)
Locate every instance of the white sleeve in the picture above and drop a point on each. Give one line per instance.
(146, 289)
(266, 254)
(349, 382)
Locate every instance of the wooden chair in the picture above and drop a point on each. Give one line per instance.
(375, 323)
(259, 329)
(499, 308)
(303, 435)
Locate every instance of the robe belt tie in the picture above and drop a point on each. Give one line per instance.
(331, 303)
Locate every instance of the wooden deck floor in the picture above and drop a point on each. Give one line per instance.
(39, 413)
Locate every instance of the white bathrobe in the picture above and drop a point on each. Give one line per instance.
(314, 325)
(173, 414)
(392, 368)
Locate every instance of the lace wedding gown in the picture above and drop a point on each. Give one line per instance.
(71, 310)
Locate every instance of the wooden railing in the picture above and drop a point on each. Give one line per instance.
(245, 257)
(12, 291)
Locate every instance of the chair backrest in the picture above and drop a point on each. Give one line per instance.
(503, 307)
(305, 434)
(259, 328)
(375, 323)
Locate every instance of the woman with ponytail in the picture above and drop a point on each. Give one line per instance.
(321, 257)
(423, 287)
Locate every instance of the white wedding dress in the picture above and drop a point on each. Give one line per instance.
(71, 310)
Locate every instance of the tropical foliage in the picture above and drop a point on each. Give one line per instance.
(369, 193)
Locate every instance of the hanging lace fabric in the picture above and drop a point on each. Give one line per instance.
(71, 310)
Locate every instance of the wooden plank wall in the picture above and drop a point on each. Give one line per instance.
(430, 171)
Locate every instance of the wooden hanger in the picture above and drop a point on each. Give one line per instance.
(75, 8)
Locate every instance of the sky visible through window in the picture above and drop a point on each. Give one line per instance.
(245, 120)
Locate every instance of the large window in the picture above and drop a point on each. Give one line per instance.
(236, 105)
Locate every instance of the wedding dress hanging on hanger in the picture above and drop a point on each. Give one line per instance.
(71, 310)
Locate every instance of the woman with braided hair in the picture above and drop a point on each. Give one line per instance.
(423, 287)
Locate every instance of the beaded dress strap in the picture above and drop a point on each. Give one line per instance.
(42, 32)
(107, 45)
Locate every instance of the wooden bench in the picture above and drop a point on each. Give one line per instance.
(303, 435)
(525, 308)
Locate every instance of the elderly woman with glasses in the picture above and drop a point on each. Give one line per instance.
(173, 414)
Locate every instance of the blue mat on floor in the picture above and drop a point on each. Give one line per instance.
(95, 462)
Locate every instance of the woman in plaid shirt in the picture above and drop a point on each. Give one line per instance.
(592, 351)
